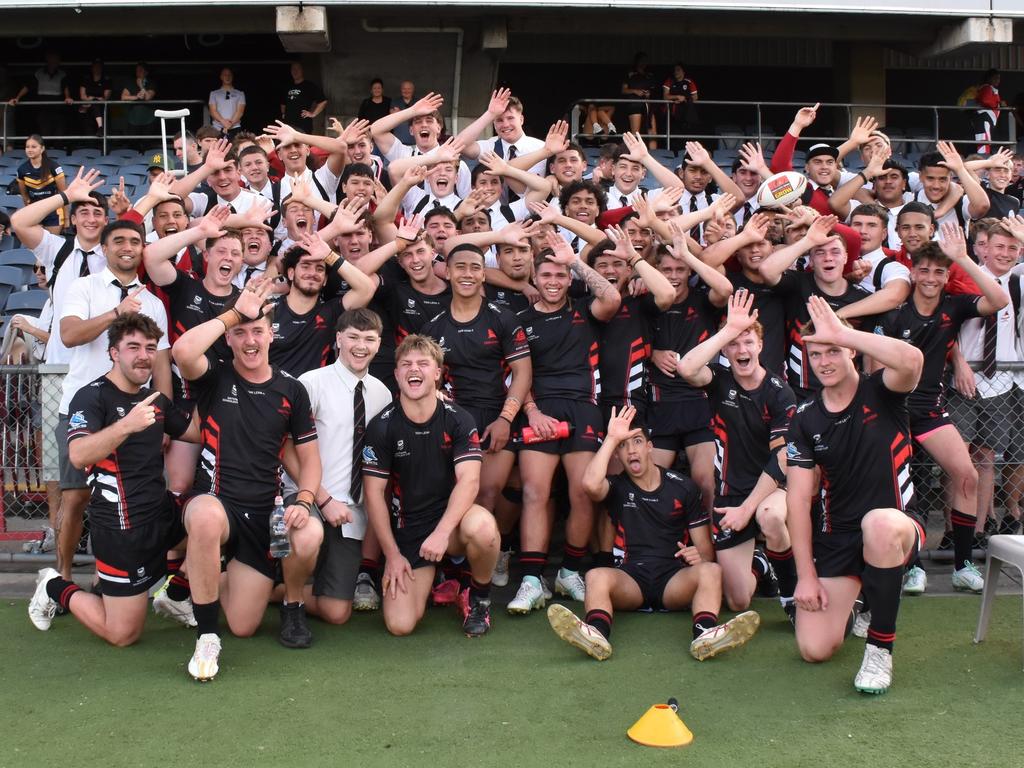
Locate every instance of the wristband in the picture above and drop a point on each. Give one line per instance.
(230, 318)
(325, 502)
(310, 496)
(509, 410)
(332, 258)
(64, 197)
(304, 504)
(634, 262)
(864, 176)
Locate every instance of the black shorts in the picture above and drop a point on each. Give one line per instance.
(248, 536)
(924, 422)
(652, 577)
(409, 543)
(676, 426)
(484, 417)
(842, 554)
(131, 561)
(585, 419)
(723, 540)
(337, 565)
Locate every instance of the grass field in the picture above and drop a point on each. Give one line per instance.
(519, 697)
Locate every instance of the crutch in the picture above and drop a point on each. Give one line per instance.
(173, 114)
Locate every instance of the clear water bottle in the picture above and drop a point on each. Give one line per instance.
(280, 546)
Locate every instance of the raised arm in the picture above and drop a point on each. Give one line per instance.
(659, 286)
(448, 152)
(495, 108)
(977, 199)
(859, 135)
(993, 298)
(606, 298)
(782, 159)
(595, 476)
(818, 233)
(702, 157)
(27, 222)
(215, 161)
(639, 153)
(720, 287)
(693, 367)
(381, 130)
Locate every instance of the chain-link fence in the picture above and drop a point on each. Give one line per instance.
(28, 447)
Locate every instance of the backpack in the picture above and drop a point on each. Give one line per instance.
(60, 258)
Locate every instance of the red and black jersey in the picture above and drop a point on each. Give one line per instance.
(625, 349)
(771, 313)
(514, 301)
(383, 364)
(648, 524)
(244, 426)
(746, 423)
(128, 487)
(564, 351)
(935, 336)
(476, 353)
(420, 460)
(863, 453)
(409, 309)
(796, 288)
(304, 342)
(680, 328)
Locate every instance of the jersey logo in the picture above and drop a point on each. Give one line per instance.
(369, 457)
(519, 337)
(412, 302)
(446, 441)
(401, 445)
(792, 452)
(869, 415)
(676, 504)
(576, 318)
(492, 338)
(120, 412)
(77, 420)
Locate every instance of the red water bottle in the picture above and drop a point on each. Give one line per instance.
(562, 431)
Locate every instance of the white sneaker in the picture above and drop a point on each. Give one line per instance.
(569, 627)
(570, 584)
(500, 576)
(595, 129)
(861, 624)
(176, 610)
(612, 129)
(365, 597)
(41, 608)
(724, 637)
(968, 578)
(875, 675)
(915, 582)
(203, 664)
(529, 597)
(47, 544)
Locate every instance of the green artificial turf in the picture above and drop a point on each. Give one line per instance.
(518, 697)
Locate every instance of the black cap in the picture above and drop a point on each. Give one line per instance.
(822, 149)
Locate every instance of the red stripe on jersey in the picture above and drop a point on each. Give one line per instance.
(722, 446)
(901, 451)
(110, 467)
(593, 359)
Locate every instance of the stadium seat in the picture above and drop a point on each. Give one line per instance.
(124, 153)
(140, 169)
(10, 281)
(21, 259)
(1002, 550)
(10, 162)
(86, 154)
(11, 202)
(27, 302)
(9, 242)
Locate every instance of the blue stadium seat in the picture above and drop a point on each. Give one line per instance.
(86, 153)
(11, 280)
(135, 169)
(27, 302)
(124, 153)
(9, 242)
(11, 202)
(19, 257)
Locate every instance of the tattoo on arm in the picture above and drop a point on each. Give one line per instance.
(597, 284)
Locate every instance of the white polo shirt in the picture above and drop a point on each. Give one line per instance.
(1008, 348)
(524, 145)
(46, 253)
(891, 271)
(90, 297)
(619, 199)
(422, 201)
(951, 215)
(242, 202)
(331, 391)
(398, 150)
(518, 209)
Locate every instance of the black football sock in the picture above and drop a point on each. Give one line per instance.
(207, 617)
(785, 571)
(479, 591)
(702, 622)
(60, 591)
(882, 588)
(963, 537)
(603, 560)
(532, 563)
(601, 621)
(572, 557)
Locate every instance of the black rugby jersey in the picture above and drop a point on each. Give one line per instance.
(564, 351)
(680, 328)
(304, 342)
(863, 451)
(771, 313)
(625, 342)
(128, 487)
(648, 524)
(420, 461)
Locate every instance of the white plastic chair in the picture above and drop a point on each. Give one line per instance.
(1008, 550)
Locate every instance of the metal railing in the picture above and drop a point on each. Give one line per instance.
(949, 123)
(104, 136)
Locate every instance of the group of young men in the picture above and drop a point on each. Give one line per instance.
(433, 365)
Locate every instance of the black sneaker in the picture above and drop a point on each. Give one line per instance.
(767, 585)
(294, 631)
(790, 608)
(478, 620)
(946, 545)
(1009, 526)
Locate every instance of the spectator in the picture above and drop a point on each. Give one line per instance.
(640, 82)
(376, 105)
(406, 95)
(682, 92)
(985, 119)
(141, 88)
(303, 100)
(227, 105)
(193, 157)
(95, 87)
(206, 137)
(39, 178)
(50, 84)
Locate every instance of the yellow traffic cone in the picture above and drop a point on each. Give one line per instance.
(661, 726)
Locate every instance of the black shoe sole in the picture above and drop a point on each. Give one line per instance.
(300, 644)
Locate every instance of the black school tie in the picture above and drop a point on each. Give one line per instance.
(511, 153)
(624, 200)
(695, 230)
(123, 288)
(746, 213)
(83, 269)
(988, 346)
(358, 438)
(249, 272)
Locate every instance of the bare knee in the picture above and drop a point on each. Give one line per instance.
(306, 540)
(599, 580)
(334, 611)
(481, 528)
(772, 520)
(400, 626)
(882, 530)
(205, 520)
(816, 650)
(708, 573)
(122, 638)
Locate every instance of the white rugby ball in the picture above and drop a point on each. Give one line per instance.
(783, 188)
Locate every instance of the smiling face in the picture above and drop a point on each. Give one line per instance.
(357, 186)
(828, 260)
(440, 228)
(676, 272)
(466, 273)
(929, 278)
(356, 348)
(250, 345)
(821, 169)
(613, 269)
(553, 283)
(293, 156)
(695, 179)
(425, 129)
(255, 246)
(355, 245)
(308, 276)
(488, 185)
(752, 254)
(442, 179)
(568, 166)
(417, 260)
(225, 182)
(298, 219)
(223, 261)
(169, 218)
(640, 237)
(999, 176)
(255, 169)
(935, 180)
(509, 125)
(89, 220)
(627, 174)
(123, 249)
(359, 151)
(747, 180)
(1002, 253)
(583, 206)
(417, 374)
(743, 352)
(133, 356)
(915, 229)
(889, 187)
(635, 453)
(33, 149)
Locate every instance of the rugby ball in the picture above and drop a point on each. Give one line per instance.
(784, 188)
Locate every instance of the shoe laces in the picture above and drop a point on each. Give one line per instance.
(875, 661)
(478, 610)
(527, 588)
(208, 647)
(971, 568)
